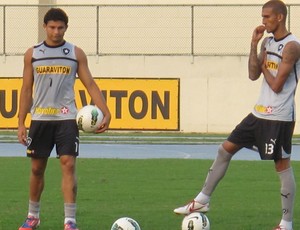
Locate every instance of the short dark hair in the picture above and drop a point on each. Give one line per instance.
(56, 14)
(278, 7)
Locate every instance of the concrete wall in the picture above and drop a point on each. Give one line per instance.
(215, 93)
(167, 1)
(140, 2)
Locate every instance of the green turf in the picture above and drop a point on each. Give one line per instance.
(146, 190)
(139, 137)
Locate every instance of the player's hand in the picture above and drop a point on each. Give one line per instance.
(258, 33)
(22, 135)
(104, 124)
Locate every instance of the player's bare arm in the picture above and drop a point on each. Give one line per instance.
(25, 97)
(255, 60)
(86, 78)
(290, 56)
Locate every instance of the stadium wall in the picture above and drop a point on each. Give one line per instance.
(215, 92)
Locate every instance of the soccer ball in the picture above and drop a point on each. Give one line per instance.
(89, 118)
(195, 221)
(125, 223)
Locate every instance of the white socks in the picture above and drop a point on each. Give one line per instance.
(287, 191)
(217, 171)
(34, 209)
(70, 212)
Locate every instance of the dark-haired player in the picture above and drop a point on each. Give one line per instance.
(50, 69)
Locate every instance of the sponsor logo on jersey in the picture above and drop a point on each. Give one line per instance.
(272, 65)
(64, 110)
(42, 50)
(47, 111)
(53, 69)
(263, 109)
(51, 111)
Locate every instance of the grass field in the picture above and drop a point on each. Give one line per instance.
(139, 137)
(148, 191)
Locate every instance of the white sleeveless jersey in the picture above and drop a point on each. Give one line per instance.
(54, 71)
(278, 106)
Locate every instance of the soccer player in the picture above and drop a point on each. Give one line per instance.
(269, 127)
(49, 74)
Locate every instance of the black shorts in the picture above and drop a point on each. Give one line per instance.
(43, 135)
(272, 139)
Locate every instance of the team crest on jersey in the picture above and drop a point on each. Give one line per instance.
(263, 109)
(66, 51)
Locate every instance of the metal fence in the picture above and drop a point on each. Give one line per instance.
(141, 29)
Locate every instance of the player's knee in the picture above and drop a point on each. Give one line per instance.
(282, 164)
(37, 171)
(222, 153)
(67, 162)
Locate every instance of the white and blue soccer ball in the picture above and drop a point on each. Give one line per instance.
(125, 223)
(89, 118)
(195, 221)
